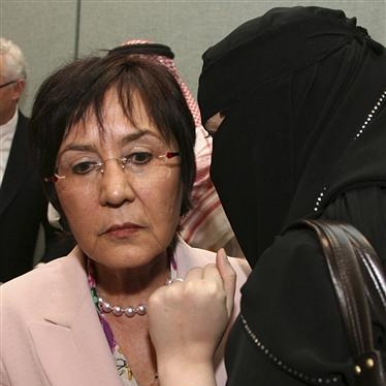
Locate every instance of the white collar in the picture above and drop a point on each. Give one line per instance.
(9, 128)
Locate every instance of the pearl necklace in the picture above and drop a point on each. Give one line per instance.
(130, 311)
(105, 307)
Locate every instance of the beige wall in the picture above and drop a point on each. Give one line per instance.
(53, 31)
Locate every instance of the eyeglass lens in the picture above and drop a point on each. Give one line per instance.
(83, 171)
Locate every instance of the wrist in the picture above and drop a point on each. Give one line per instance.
(177, 373)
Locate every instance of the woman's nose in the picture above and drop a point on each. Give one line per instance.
(115, 185)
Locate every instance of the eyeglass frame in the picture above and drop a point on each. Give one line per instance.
(9, 83)
(123, 161)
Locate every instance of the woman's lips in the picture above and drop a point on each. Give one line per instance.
(122, 231)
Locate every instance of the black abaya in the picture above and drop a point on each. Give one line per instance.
(303, 93)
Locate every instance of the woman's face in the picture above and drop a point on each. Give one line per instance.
(121, 218)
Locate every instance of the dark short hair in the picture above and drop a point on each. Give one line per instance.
(67, 97)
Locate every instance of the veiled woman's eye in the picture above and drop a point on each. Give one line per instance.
(213, 123)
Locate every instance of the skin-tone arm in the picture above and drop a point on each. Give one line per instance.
(187, 321)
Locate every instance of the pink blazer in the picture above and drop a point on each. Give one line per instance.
(50, 333)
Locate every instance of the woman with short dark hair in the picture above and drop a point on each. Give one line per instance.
(113, 141)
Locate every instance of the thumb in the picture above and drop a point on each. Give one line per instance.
(228, 276)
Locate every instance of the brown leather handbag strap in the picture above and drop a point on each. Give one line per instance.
(348, 254)
(372, 270)
(348, 282)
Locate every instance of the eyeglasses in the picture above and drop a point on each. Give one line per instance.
(9, 83)
(86, 169)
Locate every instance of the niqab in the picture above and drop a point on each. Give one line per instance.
(296, 86)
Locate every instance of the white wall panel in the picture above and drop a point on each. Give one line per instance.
(47, 30)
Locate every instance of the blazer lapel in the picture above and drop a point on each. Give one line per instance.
(187, 257)
(70, 343)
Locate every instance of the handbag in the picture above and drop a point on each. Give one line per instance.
(360, 286)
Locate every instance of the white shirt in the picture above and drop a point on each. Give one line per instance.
(7, 132)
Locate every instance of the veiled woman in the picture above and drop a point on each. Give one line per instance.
(295, 101)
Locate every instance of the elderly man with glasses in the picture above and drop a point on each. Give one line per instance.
(23, 205)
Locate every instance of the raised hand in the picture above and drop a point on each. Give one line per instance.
(187, 320)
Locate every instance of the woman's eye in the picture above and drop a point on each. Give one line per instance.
(84, 167)
(140, 158)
